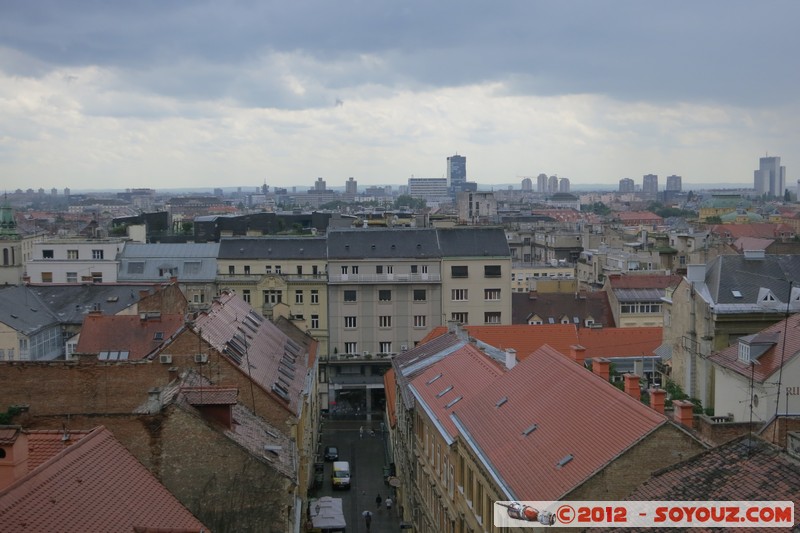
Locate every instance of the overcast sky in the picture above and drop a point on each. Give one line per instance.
(118, 94)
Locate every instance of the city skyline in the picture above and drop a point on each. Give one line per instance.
(109, 96)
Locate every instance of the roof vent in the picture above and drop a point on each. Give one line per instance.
(501, 401)
(530, 429)
(563, 462)
(736, 294)
(453, 402)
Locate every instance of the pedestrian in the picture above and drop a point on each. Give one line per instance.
(367, 518)
(378, 501)
(388, 504)
(361, 432)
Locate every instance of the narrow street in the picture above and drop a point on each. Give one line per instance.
(367, 457)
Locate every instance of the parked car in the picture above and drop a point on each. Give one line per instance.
(331, 453)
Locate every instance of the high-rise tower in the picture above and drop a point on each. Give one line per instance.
(770, 178)
(456, 173)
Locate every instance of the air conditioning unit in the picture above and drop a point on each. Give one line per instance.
(165, 359)
(201, 358)
(404, 347)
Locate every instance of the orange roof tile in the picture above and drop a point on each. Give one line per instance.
(46, 443)
(389, 385)
(620, 342)
(129, 333)
(583, 431)
(93, 485)
(447, 382)
(523, 338)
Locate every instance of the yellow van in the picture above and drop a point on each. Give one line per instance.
(341, 475)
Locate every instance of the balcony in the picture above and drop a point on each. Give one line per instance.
(385, 278)
(241, 277)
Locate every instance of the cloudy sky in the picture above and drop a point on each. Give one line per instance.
(116, 94)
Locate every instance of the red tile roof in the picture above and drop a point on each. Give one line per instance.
(210, 395)
(523, 338)
(593, 427)
(231, 319)
(770, 361)
(45, 444)
(638, 216)
(764, 230)
(620, 342)
(461, 374)
(389, 385)
(93, 485)
(111, 333)
(643, 281)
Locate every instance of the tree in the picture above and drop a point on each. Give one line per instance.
(713, 220)
(405, 200)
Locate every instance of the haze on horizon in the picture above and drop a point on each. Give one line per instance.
(215, 93)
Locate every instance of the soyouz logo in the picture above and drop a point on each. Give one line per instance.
(586, 514)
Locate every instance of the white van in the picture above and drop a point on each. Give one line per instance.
(341, 475)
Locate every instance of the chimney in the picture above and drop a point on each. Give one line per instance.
(578, 353)
(657, 397)
(511, 358)
(684, 412)
(602, 367)
(154, 400)
(452, 326)
(14, 459)
(632, 386)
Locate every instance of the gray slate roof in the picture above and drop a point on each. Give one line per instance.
(150, 262)
(408, 243)
(471, 242)
(70, 303)
(22, 310)
(728, 273)
(272, 247)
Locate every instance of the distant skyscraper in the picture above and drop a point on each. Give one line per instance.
(527, 185)
(351, 187)
(770, 178)
(541, 183)
(552, 184)
(563, 185)
(650, 185)
(66, 191)
(673, 183)
(320, 185)
(456, 173)
(627, 185)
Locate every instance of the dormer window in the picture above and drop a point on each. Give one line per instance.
(768, 297)
(744, 352)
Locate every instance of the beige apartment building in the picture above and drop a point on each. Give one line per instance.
(279, 276)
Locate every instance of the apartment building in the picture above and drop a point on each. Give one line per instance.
(74, 261)
(279, 276)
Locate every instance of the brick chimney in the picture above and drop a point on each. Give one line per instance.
(511, 358)
(657, 397)
(13, 455)
(602, 367)
(577, 353)
(684, 412)
(632, 386)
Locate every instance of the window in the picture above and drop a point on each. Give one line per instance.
(72, 254)
(47, 254)
(72, 277)
(379, 269)
(420, 321)
(231, 269)
(491, 294)
(492, 271)
(744, 352)
(414, 269)
(345, 269)
(314, 296)
(350, 322)
(384, 295)
(355, 269)
(385, 321)
(420, 295)
(97, 277)
(246, 295)
(47, 277)
(314, 321)
(389, 269)
(247, 270)
(173, 271)
(491, 317)
(351, 347)
(299, 270)
(462, 318)
(349, 296)
(277, 269)
(268, 269)
(314, 270)
(460, 295)
(272, 296)
(298, 296)
(459, 272)
(97, 254)
(384, 347)
(191, 267)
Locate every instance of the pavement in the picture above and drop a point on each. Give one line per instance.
(367, 456)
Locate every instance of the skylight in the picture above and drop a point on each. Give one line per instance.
(501, 401)
(736, 294)
(563, 462)
(530, 429)
(434, 378)
(445, 391)
(453, 402)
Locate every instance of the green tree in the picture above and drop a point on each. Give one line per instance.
(713, 220)
(405, 200)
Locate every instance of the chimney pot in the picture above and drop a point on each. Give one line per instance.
(578, 353)
(632, 386)
(511, 358)
(684, 412)
(657, 397)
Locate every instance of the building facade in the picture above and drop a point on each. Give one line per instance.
(456, 173)
(770, 178)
